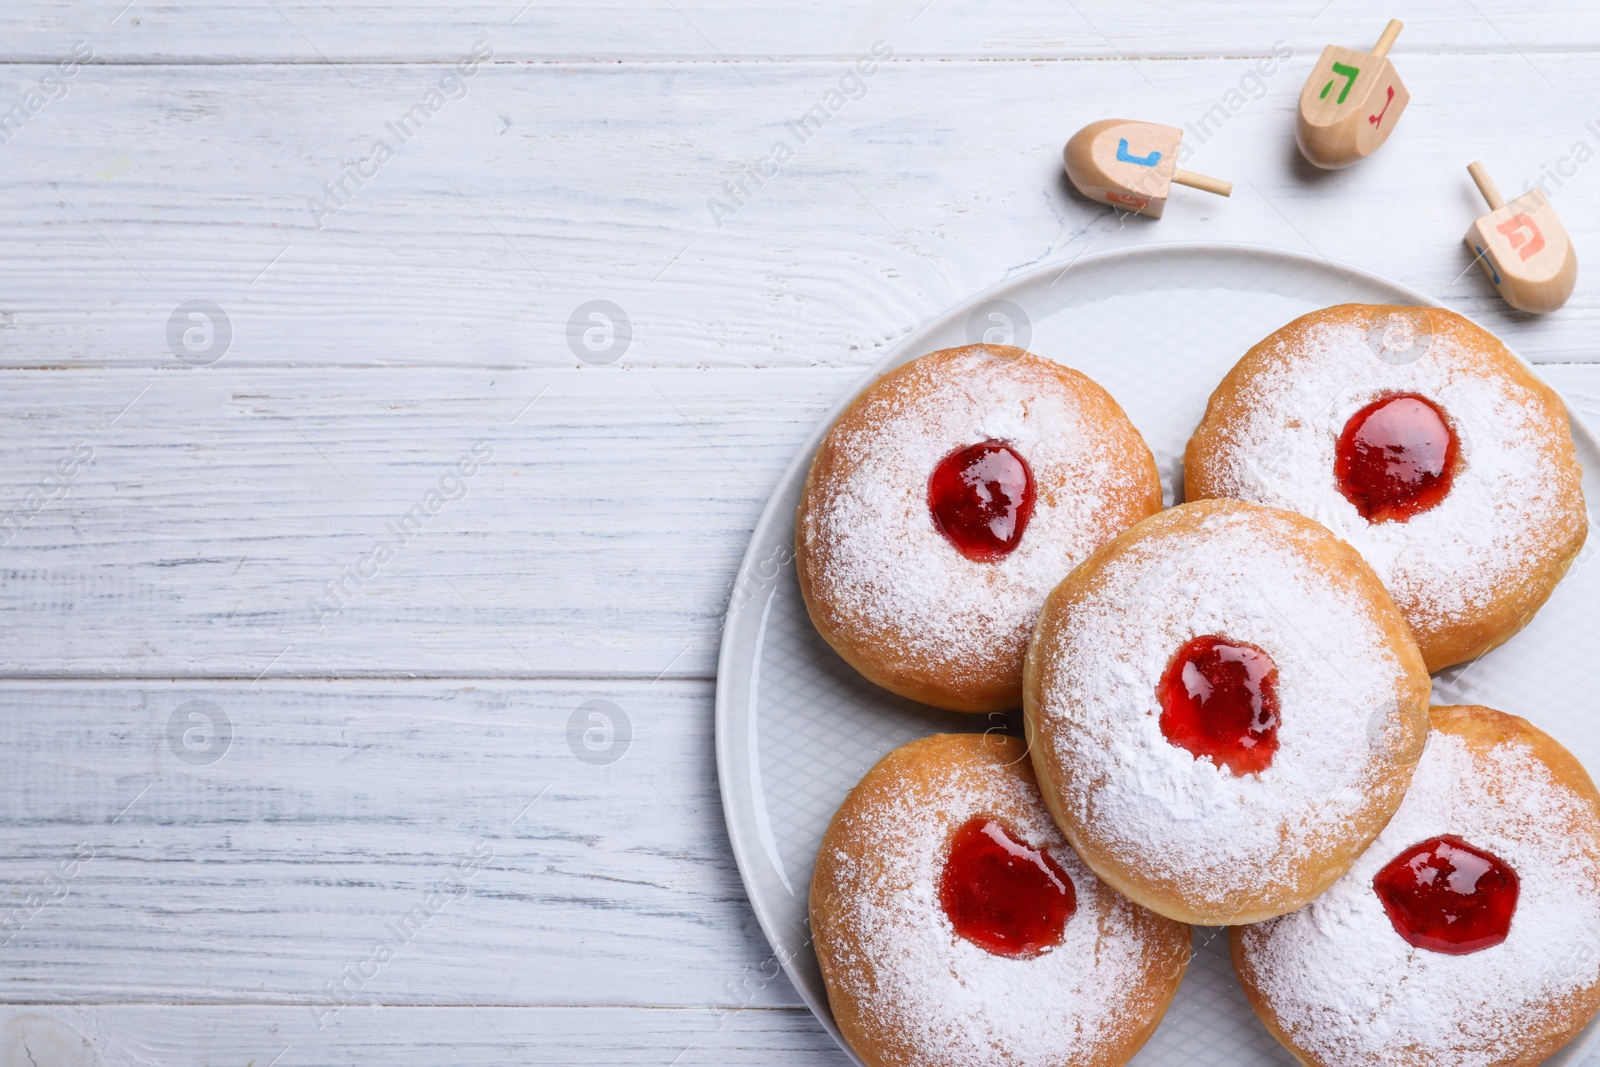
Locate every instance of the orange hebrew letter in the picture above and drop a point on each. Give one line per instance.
(1531, 243)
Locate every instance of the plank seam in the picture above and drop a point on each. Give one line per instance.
(615, 61)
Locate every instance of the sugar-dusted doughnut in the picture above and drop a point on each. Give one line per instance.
(1417, 437)
(947, 501)
(956, 928)
(1225, 708)
(1468, 935)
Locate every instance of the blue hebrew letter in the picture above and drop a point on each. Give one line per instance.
(1488, 261)
(1144, 161)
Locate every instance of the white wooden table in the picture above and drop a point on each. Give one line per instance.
(276, 794)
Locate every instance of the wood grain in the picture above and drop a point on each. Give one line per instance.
(305, 31)
(599, 539)
(269, 866)
(464, 1035)
(548, 186)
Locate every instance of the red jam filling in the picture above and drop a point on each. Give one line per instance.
(1396, 458)
(981, 498)
(1446, 896)
(1003, 896)
(1219, 700)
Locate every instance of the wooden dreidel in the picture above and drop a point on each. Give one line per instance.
(1523, 248)
(1131, 165)
(1350, 103)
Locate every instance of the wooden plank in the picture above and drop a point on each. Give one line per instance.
(334, 845)
(465, 1036)
(714, 30)
(599, 537)
(549, 186)
(239, 523)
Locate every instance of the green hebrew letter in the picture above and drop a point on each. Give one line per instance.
(1346, 72)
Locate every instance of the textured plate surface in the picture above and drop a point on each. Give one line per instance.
(1158, 327)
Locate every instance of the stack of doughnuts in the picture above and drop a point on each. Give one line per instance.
(1225, 705)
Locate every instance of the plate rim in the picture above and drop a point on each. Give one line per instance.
(1586, 1040)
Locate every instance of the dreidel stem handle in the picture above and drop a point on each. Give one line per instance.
(1386, 42)
(1202, 182)
(1486, 185)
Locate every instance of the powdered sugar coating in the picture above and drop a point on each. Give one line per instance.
(889, 578)
(1347, 988)
(1184, 824)
(940, 998)
(1509, 501)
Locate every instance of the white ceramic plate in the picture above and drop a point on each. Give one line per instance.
(1158, 327)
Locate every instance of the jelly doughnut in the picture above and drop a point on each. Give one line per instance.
(1224, 708)
(1417, 437)
(947, 501)
(1468, 935)
(956, 928)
